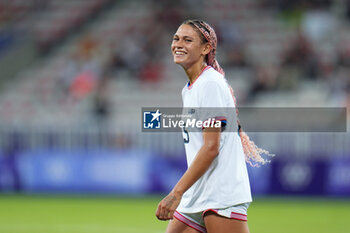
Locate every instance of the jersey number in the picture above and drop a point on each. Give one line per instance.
(187, 137)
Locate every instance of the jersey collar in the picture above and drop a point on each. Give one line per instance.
(189, 86)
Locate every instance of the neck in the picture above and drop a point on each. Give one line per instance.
(193, 72)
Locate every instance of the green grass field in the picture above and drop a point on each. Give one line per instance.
(52, 214)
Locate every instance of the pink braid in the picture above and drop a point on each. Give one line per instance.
(210, 35)
(253, 154)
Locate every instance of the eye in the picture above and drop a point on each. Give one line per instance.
(175, 38)
(188, 40)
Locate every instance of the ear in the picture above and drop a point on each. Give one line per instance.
(206, 49)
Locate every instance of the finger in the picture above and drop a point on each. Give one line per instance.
(158, 211)
(163, 213)
(171, 214)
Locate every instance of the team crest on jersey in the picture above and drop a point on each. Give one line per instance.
(191, 111)
(152, 120)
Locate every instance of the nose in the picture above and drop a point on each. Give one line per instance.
(177, 44)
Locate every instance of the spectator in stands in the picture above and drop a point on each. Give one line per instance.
(344, 54)
(347, 9)
(101, 104)
(152, 68)
(235, 57)
(326, 66)
(129, 53)
(168, 13)
(139, 54)
(301, 55)
(266, 80)
(85, 68)
(232, 42)
(318, 22)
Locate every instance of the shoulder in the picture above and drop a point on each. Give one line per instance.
(184, 89)
(213, 78)
(211, 73)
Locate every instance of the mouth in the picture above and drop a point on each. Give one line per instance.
(179, 53)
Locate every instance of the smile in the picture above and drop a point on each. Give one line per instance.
(179, 53)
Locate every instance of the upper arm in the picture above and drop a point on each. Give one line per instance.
(211, 139)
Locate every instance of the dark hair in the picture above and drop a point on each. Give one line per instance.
(199, 23)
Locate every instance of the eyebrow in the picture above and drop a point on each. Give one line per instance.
(189, 37)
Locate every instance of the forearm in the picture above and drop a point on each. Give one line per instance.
(199, 166)
(201, 163)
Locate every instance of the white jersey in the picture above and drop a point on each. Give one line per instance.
(226, 182)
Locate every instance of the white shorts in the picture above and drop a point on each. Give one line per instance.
(196, 220)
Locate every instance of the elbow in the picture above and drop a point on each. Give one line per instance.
(212, 149)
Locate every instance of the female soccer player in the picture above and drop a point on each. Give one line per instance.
(214, 193)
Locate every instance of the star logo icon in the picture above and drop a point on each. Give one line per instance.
(156, 115)
(152, 119)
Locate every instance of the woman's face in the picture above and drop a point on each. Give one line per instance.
(187, 47)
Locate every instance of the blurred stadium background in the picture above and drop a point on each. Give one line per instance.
(75, 74)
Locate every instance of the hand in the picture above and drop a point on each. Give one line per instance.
(167, 206)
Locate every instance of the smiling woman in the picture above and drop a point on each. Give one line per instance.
(214, 193)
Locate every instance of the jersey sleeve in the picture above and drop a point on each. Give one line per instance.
(212, 103)
(212, 96)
